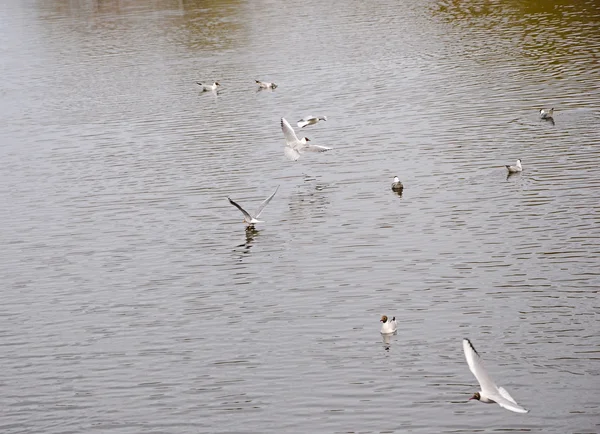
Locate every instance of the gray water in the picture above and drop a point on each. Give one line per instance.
(133, 299)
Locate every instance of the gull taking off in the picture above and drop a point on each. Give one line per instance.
(489, 393)
(388, 326)
(208, 87)
(294, 146)
(516, 168)
(250, 219)
(547, 114)
(265, 84)
(310, 120)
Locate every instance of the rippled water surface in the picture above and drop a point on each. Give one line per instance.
(133, 299)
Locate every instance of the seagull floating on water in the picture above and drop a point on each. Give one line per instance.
(388, 326)
(250, 219)
(516, 168)
(310, 120)
(207, 87)
(489, 393)
(547, 113)
(294, 146)
(265, 84)
(397, 185)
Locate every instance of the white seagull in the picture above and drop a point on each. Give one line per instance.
(516, 168)
(388, 326)
(250, 219)
(489, 393)
(265, 84)
(294, 146)
(310, 120)
(397, 185)
(547, 114)
(207, 87)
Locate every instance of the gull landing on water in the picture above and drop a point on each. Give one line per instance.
(250, 219)
(294, 146)
(516, 168)
(489, 393)
(310, 120)
(388, 326)
(207, 87)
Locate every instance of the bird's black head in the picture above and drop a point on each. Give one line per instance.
(476, 396)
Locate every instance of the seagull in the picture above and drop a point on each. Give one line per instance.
(206, 87)
(294, 146)
(397, 185)
(249, 219)
(388, 326)
(547, 114)
(489, 393)
(310, 120)
(265, 84)
(516, 168)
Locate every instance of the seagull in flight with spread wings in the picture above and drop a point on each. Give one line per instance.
(489, 393)
(250, 219)
(295, 146)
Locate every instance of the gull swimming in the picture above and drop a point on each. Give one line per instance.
(294, 146)
(310, 120)
(397, 185)
(388, 326)
(489, 393)
(516, 168)
(547, 113)
(250, 219)
(265, 84)
(207, 87)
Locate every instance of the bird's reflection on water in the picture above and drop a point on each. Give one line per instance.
(387, 340)
(244, 248)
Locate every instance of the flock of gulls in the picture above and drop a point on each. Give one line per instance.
(490, 393)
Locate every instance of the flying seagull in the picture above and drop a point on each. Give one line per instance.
(250, 219)
(489, 393)
(294, 146)
(310, 120)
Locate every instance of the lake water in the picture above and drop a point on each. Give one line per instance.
(133, 299)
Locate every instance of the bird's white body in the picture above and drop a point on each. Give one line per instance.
(250, 219)
(490, 393)
(265, 84)
(208, 87)
(310, 120)
(516, 168)
(389, 325)
(295, 146)
(547, 113)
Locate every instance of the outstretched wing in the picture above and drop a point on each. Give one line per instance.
(289, 133)
(475, 362)
(506, 395)
(508, 404)
(291, 153)
(316, 148)
(265, 202)
(248, 216)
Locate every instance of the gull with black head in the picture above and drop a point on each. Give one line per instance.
(489, 393)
